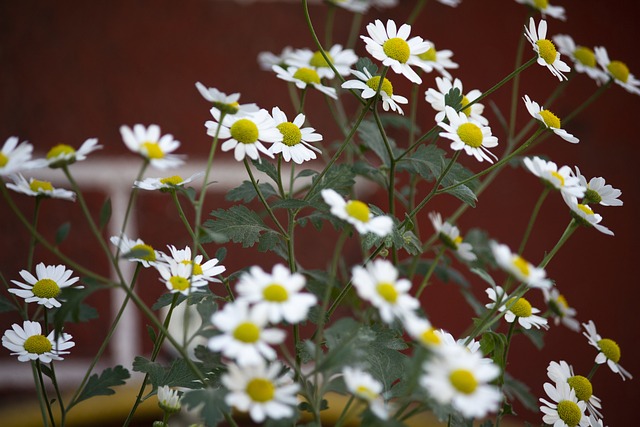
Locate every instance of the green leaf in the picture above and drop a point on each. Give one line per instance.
(306, 172)
(289, 204)
(221, 254)
(238, 224)
(365, 62)
(73, 309)
(166, 299)
(370, 172)
(210, 402)
(62, 233)
(101, 385)
(484, 276)
(518, 390)
(246, 192)
(6, 305)
(105, 213)
(177, 375)
(268, 169)
(453, 98)
(339, 178)
(371, 138)
(397, 121)
(536, 336)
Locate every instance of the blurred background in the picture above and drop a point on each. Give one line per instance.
(71, 70)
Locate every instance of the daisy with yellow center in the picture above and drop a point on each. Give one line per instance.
(584, 58)
(562, 372)
(180, 277)
(45, 287)
(37, 188)
(266, 59)
(295, 144)
(609, 350)
(585, 216)
(450, 236)
(28, 343)
(368, 84)
(468, 135)
(422, 331)
(357, 214)
(436, 97)
(565, 409)
(548, 119)
(560, 309)
(545, 8)
(366, 388)
(379, 284)
(342, 60)
(303, 77)
(618, 71)
(169, 183)
(205, 271)
(149, 143)
(15, 157)
(518, 267)
(598, 191)
(63, 154)
(169, 399)
(439, 60)
(548, 56)
(561, 179)
(516, 309)
(393, 47)
(139, 250)
(224, 103)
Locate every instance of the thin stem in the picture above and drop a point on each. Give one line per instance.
(54, 380)
(514, 90)
(132, 198)
(354, 30)
(416, 11)
(512, 327)
(32, 240)
(342, 418)
(588, 102)
(42, 397)
(263, 200)
(328, 27)
(432, 268)
(183, 218)
(532, 219)
(593, 371)
(46, 398)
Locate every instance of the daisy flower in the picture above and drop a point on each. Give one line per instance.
(560, 179)
(450, 236)
(362, 385)
(584, 58)
(303, 77)
(548, 119)
(378, 283)
(562, 372)
(295, 144)
(545, 8)
(368, 84)
(279, 293)
(548, 56)
(586, 216)
(394, 49)
(37, 188)
(437, 100)
(598, 191)
(516, 308)
(356, 6)
(565, 410)
(422, 331)
(609, 350)
(452, 3)
(596, 422)
(357, 214)
(560, 309)
(244, 337)
(460, 378)
(244, 134)
(342, 60)
(266, 60)
(149, 144)
(206, 271)
(169, 399)
(63, 154)
(438, 60)
(448, 340)
(46, 286)
(224, 103)
(518, 267)
(180, 277)
(169, 183)
(15, 157)
(618, 70)
(468, 135)
(28, 343)
(126, 246)
(259, 390)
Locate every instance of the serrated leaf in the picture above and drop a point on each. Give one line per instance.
(453, 98)
(372, 138)
(268, 169)
(369, 171)
(166, 299)
(397, 121)
(365, 62)
(73, 309)
(238, 224)
(101, 385)
(518, 390)
(105, 213)
(178, 374)
(209, 402)
(289, 204)
(339, 178)
(62, 232)
(246, 192)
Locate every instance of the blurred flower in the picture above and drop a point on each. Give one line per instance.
(561, 179)
(149, 144)
(15, 157)
(63, 154)
(545, 8)
(28, 343)
(342, 60)
(450, 236)
(168, 399)
(548, 56)
(618, 70)
(224, 103)
(267, 60)
(468, 135)
(609, 350)
(165, 184)
(46, 286)
(37, 188)
(516, 309)
(303, 77)
(585, 215)
(560, 310)
(438, 60)
(584, 58)
(144, 253)
(205, 271)
(366, 388)
(518, 267)
(358, 214)
(547, 118)
(437, 100)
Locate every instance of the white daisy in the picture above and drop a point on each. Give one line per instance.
(63, 154)
(438, 60)
(565, 410)
(356, 6)
(366, 388)
(165, 184)
(244, 134)
(452, 3)
(303, 77)
(28, 343)
(518, 267)
(169, 399)
(516, 308)
(342, 60)
(149, 144)
(422, 331)
(548, 56)
(596, 422)
(548, 119)
(224, 103)
(586, 216)
(450, 236)
(468, 135)
(126, 246)
(261, 391)
(378, 283)
(437, 100)
(584, 58)
(560, 309)
(618, 70)
(447, 339)
(562, 372)
(46, 285)
(15, 157)
(368, 84)
(609, 350)
(560, 179)
(461, 379)
(279, 292)
(244, 337)
(295, 144)
(266, 60)
(598, 191)
(358, 214)
(206, 271)
(179, 277)
(545, 8)
(37, 188)
(393, 47)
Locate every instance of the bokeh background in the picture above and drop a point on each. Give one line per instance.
(70, 70)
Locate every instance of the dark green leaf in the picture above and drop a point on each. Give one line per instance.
(73, 308)
(209, 402)
(453, 98)
(515, 389)
(105, 213)
(246, 192)
(484, 276)
(397, 121)
(152, 333)
(166, 299)
(372, 138)
(339, 178)
(101, 385)
(62, 233)
(536, 336)
(289, 204)
(238, 224)
(369, 171)
(6, 305)
(268, 169)
(177, 375)
(365, 62)
(306, 172)
(221, 253)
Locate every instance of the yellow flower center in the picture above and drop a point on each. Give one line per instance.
(398, 49)
(559, 305)
(465, 101)
(317, 60)
(388, 292)
(521, 265)
(619, 70)
(3, 160)
(37, 186)
(585, 56)
(231, 108)
(429, 55)
(550, 119)
(172, 180)
(541, 4)
(374, 82)
(430, 337)
(463, 380)
(569, 412)
(179, 283)
(46, 288)
(261, 390)
(582, 386)
(358, 210)
(247, 332)
(60, 150)
(559, 177)
(244, 131)
(470, 134)
(521, 307)
(586, 209)
(366, 393)
(275, 293)
(291, 134)
(610, 349)
(150, 253)
(152, 150)
(37, 344)
(562, 301)
(196, 268)
(307, 75)
(547, 50)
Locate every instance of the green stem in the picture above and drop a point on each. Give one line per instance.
(532, 219)
(512, 327)
(328, 27)
(514, 89)
(416, 11)
(593, 371)
(54, 380)
(588, 102)
(183, 217)
(263, 200)
(342, 418)
(130, 203)
(42, 397)
(44, 392)
(32, 240)
(432, 268)
(354, 30)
